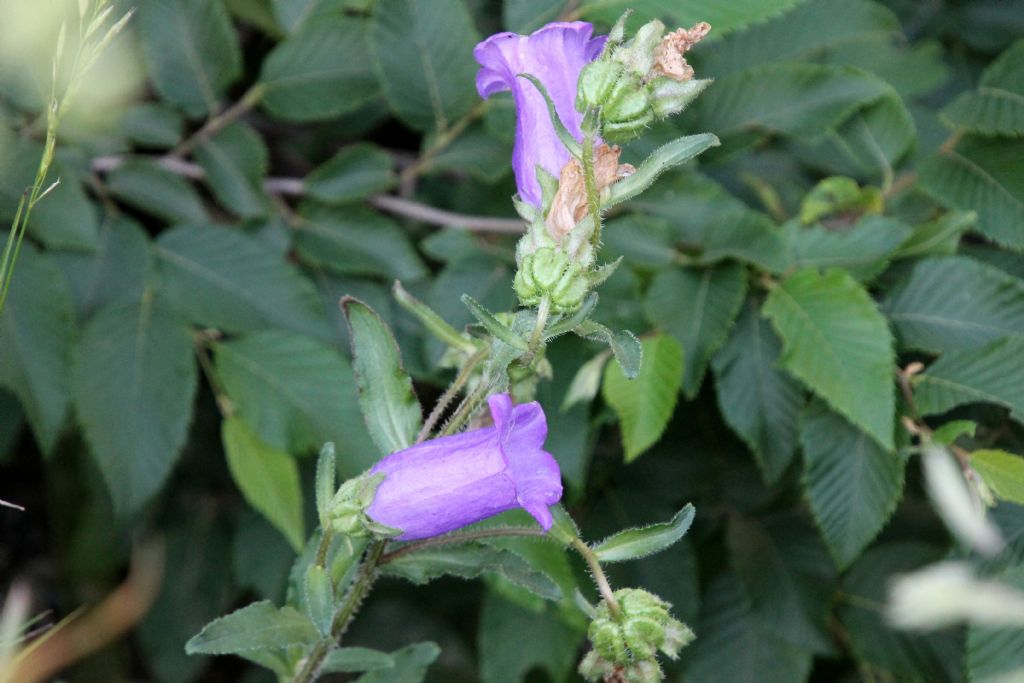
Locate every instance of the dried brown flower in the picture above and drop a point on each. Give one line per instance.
(668, 56)
(569, 206)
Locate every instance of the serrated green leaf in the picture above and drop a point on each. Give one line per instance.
(389, 404)
(868, 144)
(191, 51)
(839, 345)
(1002, 471)
(940, 237)
(526, 16)
(697, 307)
(36, 328)
(156, 191)
(297, 394)
(352, 173)
(410, 665)
(725, 16)
(292, 15)
(639, 542)
(424, 55)
(997, 106)
(267, 477)
(955, 303)
(804, 100)
(259, 626)
(852, 484)
(982, 175)
(132, 385)
(734, 647)
(862, 250)
(353, 240)
(757, 399)
(320, 71)
(787, 576)
(746, 236)
(235, 162)
(219, 277)
(356, 659)
(644, 405)
(515, 641)
(468, 562)
(952, 430)
(987, 374)
(152, 125)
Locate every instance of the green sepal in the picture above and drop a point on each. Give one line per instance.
(434, 323)
(494, 326)
(573, 321)
(326, 471)
(563, 133)
(662, 159)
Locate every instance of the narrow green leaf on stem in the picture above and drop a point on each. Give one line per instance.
(563, 133)
(638, 542)
(493, 325)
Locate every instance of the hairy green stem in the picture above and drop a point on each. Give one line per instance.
(349, 606)
(537, 337)
(450, 393)
(590, 183)
(600, 579)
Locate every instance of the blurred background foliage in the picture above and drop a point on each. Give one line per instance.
(232, 167)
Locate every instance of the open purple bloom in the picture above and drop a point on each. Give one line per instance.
(444, 484)
(554, 54)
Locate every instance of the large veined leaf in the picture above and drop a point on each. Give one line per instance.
(983, 175)
(862, 250)
(746, 236)
(390, 407)
(644, 404)
(724, 15)
(515, 641)
(986, 374)
(267, 477)
(319, 72)
(235, 161)
(869, 143)
(735, 647)
(997, 106)
(838, 344)
(758, 400)
(996, 655)
(259, 626)
(297, 394)
(156, 191)
(851, 483)
(353, 240)
(292, 15)
(353, 173)
(470, 561)
(912, 69)
(191, 51)
(222, 278)
(697, 307)
(36, 328)
(804, 100)
(786, 574)
(132, 386)
(424, 54)
(798, 36)
(956, 303)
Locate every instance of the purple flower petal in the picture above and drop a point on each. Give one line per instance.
(444, 484)
(555, 54)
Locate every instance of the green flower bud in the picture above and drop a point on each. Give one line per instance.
(646, 671)
(608, 640)
(550, 272)
(635, 602)
(597, 80)
(670, 96)
(594, 667)
(643, 635)
(347, 510)
(638, 54)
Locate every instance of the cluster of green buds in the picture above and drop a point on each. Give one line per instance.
(637, 82)
(626, 643)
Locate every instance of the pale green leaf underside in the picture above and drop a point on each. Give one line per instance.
(259, 626)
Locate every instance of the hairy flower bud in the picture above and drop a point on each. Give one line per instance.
(550, 272)
(347, 510)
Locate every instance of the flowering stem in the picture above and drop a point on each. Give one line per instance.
(600, 579)
(450, 393)
(590, 183)
(543, 313)
(350, 605)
